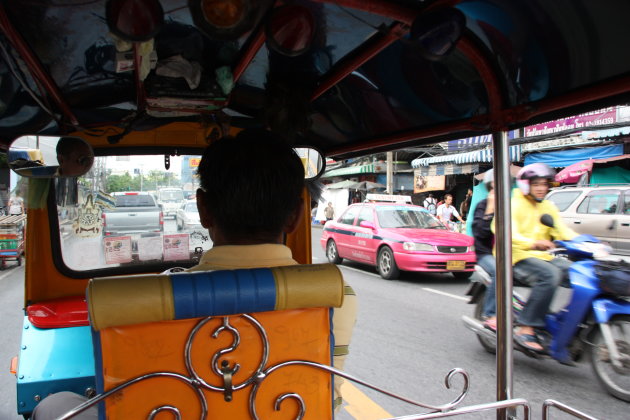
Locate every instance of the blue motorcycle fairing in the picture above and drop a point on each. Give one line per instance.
(574, 246)
(564, 324)
(607, 307)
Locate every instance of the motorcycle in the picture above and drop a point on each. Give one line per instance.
(595, 322)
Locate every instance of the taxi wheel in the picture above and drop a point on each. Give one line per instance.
(332, 253)
(386, 264)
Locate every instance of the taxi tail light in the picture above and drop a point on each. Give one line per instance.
(104, 223)
(161, 219)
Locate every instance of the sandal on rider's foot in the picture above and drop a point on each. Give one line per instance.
(529, 342)
(490, 324)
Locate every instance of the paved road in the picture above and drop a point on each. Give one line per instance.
(408, 336)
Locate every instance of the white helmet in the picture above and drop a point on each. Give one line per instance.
(533, 171)
(488, 178)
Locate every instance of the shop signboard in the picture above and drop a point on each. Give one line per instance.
(422, 183)
(589, 119)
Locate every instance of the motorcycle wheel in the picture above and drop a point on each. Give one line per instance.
(489, 345)
(615, 380)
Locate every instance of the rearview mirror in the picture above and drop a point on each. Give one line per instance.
(547, 220)
(314, 163)
(50, 157)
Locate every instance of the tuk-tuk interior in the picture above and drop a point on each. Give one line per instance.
(134, 78)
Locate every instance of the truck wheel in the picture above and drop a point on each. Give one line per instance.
(616, 380)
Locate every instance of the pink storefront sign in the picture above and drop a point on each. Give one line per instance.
(582, 121)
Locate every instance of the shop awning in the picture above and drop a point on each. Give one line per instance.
(563, 158)
(484, 155)
(351, 170)
(447, 169)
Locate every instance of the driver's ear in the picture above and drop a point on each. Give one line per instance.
(205, 218)
(295, 218)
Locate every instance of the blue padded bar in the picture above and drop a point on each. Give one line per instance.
(198, 294)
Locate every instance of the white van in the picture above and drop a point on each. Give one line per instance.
(170, 199)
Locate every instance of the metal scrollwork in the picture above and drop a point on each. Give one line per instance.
(434, 408)
(225, 372)
(174, 410)
(216, 357)
(296, 397)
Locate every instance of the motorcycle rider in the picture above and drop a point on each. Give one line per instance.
(484, 243)
(530, 242)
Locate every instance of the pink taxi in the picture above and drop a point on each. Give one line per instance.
(396, 237)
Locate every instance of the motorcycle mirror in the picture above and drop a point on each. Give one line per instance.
(547, 220)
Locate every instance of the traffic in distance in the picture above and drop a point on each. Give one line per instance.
(144, 216)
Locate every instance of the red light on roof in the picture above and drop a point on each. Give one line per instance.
(131, 193)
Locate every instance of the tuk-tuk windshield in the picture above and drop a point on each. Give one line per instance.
(117, 216)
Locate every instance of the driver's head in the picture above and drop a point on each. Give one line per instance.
(251, 188)
(534, 180)
(74, 155)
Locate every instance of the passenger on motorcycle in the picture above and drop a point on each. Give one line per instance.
(484, 243)
(531, 241)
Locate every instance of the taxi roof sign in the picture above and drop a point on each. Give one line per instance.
(389, 198)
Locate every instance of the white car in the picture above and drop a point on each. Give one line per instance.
(601, 211)
(187, 216)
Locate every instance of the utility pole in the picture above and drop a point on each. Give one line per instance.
(390, 172)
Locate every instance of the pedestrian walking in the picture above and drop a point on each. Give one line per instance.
(329, 211)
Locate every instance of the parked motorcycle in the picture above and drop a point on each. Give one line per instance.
(596, 320)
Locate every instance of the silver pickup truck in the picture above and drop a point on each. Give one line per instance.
(135, 212)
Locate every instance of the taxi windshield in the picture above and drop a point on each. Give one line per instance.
(406, 217)
(117, 215)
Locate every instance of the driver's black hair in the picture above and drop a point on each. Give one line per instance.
(252, 182)
(67, 144)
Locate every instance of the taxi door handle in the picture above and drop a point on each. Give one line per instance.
(625, 224)
(577, 222)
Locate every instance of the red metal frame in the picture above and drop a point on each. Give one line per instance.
(359, 57)
(249, 53)
(35, 67)
(501, 119)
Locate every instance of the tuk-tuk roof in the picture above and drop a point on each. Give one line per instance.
(371, 77)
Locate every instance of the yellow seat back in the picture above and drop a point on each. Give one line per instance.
(189, 364)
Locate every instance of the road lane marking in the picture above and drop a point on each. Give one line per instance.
(359, 405)
(465, 299)
(359, 271)
(9, 272)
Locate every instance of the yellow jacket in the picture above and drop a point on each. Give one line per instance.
(527, 229)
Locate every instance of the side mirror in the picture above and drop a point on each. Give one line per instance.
(547, 220)
(314, 163)
(368, 225)
(50, 157)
